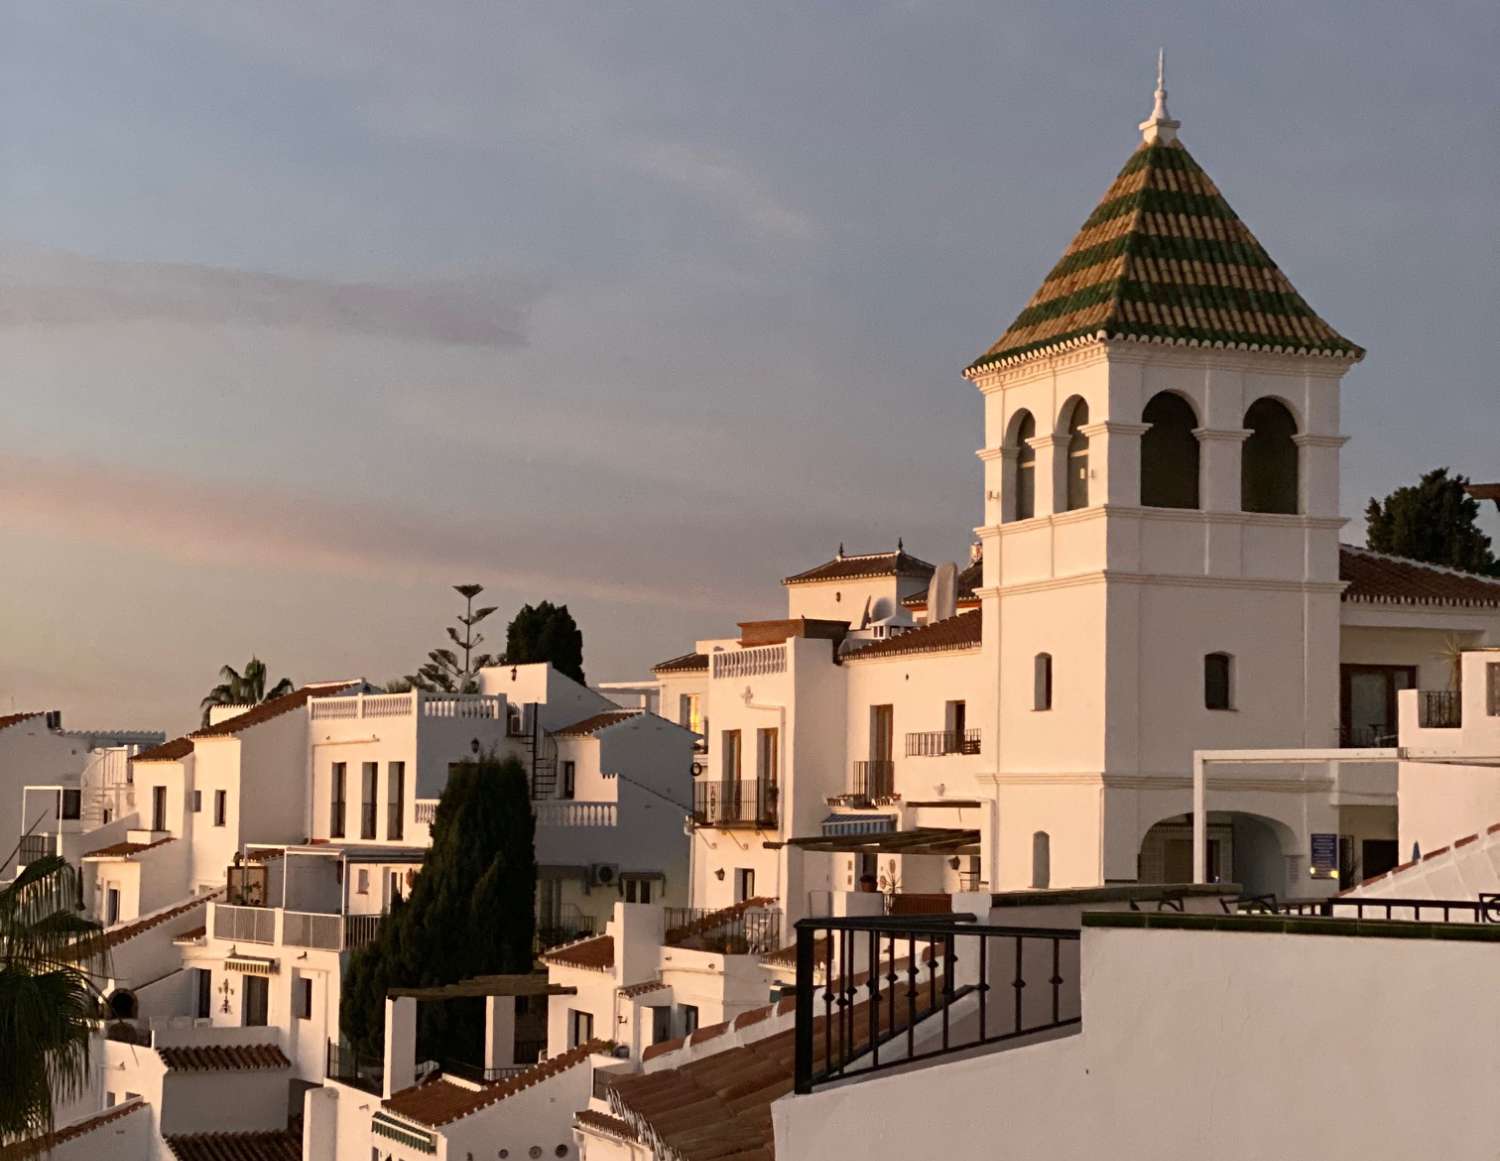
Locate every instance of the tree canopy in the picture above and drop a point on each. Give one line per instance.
(546, 632)
(444, 671)
(471, 912)
(248, 688)
(1435, 521)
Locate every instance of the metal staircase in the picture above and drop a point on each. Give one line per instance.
(541, 752)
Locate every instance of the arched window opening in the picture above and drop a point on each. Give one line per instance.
(1041, 673)
(1078, 457)
(1218, 681)
(1025, 469)
(1041, 859)
(1268, 460)
(1169, 453)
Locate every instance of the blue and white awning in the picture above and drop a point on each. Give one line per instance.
(845, 824)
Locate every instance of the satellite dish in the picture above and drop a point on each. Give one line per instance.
(942, 592)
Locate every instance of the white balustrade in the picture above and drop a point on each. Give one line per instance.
(756, 662)
(426, 810)
(388, 705)
(464, 705)
(334, 707)
(579, 814)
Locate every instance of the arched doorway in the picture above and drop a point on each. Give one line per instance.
(1247, 849)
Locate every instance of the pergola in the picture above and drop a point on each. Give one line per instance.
(922, 840)
(526, 984)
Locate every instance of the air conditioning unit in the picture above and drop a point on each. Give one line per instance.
(603, 874)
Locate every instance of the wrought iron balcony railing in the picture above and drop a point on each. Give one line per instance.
(744, 929)
(348, 1066)
(1440, 709)
(874, 779)
(748, 802)
(941, 743)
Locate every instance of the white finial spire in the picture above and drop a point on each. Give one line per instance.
(1160, 126)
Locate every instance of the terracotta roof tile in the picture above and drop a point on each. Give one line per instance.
(642, 989)
(596, 953)
(274, 708)
(115, 936)
(687, 663)
(125, 849)
(171, 751)
(224, 1058)
(190, 935)
(958, 632)
(1163, 258)
(868, 564)
(969, 579)
(604, 1123)
(1376, 577)
(593, 724)
(19, 1149)
(437, 1102)
(7, 720)
(273, 1146)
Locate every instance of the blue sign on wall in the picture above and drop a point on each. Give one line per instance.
(1325, 852)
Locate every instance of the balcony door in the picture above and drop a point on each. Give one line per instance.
(882, 750)
(256, 1001)
(732, 772)
(158, 808)
(1367, 702)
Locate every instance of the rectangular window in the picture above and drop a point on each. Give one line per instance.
(197, 802)
(688, 1015)
(71, 803)
(1492, 681)
(661, 1024)
(580, 1027)
(204, 981)
(1041, 678)
(730, 758)
(362, 882)
(257, 1001)
(744, 884)
(338, 806)
(395, 778)
(370, 775)
(1217, 674)
(158, 808)
(637, 890)
(569, 779)
(111, 906)
(221, 807)
(1367, 702)
(304, 998)
(690, 712)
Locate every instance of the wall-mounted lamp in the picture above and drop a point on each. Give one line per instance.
(474, 745)
(719, 874)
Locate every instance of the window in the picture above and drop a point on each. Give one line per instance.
(767, 772)
(257, 999)
(636, 890)
(203, 980)
(955, 728)
(1024, 480)
(1041, 859)
(1218, 671)
(338, 807)
(690, 712)
(71, 803)
(304, 998)
(370, 775)
(580, 1027)
(111, 906)
(1078, 457)
(1367, 702)
(1492, 690)
(569, 779)
(688, 1014)
(1169, 453)
(1268, 459)
(158, 808)
(362, 882)
(221, 807)
(197, 802)
(395, 782)
(661, 1024)
(730, 756)
(744, 884)
(1041, 676)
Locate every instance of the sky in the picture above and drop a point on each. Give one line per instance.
(312, 308)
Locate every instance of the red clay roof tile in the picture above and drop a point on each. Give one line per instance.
(18, 1149)
(224, 1058)
(1376, 577)
(861, 565)
(596, 953)
(125, 849)
(687, 663)
(272, 1146)
(172, 751)
(963, 631)
(437, 1102)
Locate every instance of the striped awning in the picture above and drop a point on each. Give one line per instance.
(250, 965)
(842, 824)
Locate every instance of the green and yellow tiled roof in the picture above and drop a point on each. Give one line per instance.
(1164, 259)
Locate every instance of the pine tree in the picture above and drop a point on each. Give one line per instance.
(546, 632)
(1434, 521)
(471, 912)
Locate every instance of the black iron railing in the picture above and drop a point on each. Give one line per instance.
(732, 931)
(874, 779)
(749, 802)
(530, 1051)
(35, 847)
(349, 1066)
(1366, 737)
(1485, 908)
(602, 1080)
(896, 991)
(564, 930)
(480, 1075)
(940, 743)
(1440, 709)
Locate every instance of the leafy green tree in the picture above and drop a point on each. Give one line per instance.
(471, 912)
(48, 1003)
(546, 632)
(248, 688)
(1433, 521)
(444, 672)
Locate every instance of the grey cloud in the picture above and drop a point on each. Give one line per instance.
(52, 288)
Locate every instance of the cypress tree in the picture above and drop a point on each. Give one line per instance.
(471, 912)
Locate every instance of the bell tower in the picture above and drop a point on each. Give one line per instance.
(1161, 516)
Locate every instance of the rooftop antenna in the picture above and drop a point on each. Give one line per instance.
(1160, 126)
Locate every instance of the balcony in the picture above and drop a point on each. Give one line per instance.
(1366, 737)
(749, 928)
(405, 705)
(873, 782)
(569, 925)
(276, 925)
(347, 1066)
(580, 814)
(747, 803)
(941, 743)
(760, 661)
(1440, 709)
(36, 846)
